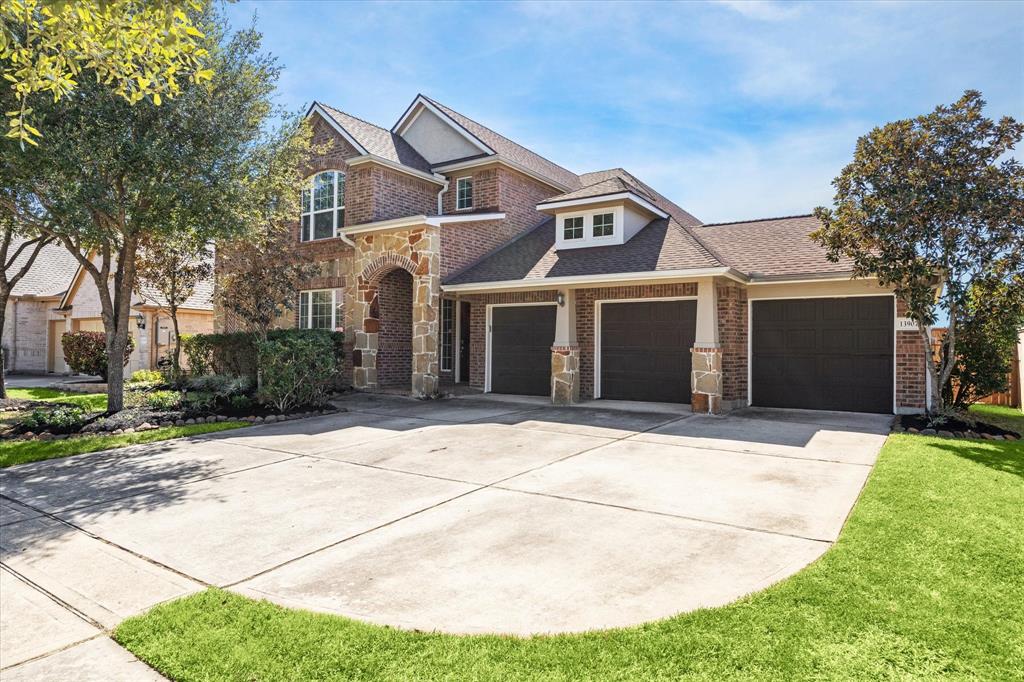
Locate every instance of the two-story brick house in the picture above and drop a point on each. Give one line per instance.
(451, 254)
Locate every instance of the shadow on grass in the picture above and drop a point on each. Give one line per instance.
(1001, 456)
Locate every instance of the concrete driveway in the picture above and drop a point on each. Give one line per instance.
(466, 515)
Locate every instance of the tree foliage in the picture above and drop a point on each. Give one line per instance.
(260, 272)
(929, 206)
(136, 48)
(114, 175)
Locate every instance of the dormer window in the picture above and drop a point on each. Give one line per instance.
(604, 224)
(323, 206)
(463, 194)
(572, 228)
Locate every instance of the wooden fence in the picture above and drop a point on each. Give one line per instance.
(1008, 398)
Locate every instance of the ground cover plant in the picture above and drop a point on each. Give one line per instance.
(22, 451)
(923, 583)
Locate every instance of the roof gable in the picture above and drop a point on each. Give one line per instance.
(370, 139)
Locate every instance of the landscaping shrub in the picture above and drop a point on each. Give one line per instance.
(146, 376)
(221, 385)
(298, 369)
(86, 352)
(241, 403)
(60, 419)
(236, 354)
(162, 400)
(200, 401)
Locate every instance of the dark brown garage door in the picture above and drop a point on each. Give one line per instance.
(521, 338)
(645, 350)
(823, 354)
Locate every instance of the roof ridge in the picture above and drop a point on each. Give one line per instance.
(361, 120)
(495, 132)
(758, 220)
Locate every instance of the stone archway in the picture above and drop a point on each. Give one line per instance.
(383, 286)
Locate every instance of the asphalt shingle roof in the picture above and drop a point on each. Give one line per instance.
(511, 151)
(661, 245)
(597, 182)
(201, 298)
(771, 246)
(50, 274)
(379, 141)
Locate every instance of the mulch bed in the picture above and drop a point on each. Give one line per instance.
(952, 427)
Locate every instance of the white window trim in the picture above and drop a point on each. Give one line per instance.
(440, 340)
(588, 239)
(583, 234)
(335, 296)
(311, 184)
(472, 198)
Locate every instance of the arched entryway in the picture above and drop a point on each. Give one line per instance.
(394, 343)
(396, 325)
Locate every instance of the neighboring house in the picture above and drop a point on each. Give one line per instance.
(151, 327)
(451, 254)
(30, 313)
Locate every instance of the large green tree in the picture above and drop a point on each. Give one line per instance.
(929, 206)
(114, 175)
(138, 48)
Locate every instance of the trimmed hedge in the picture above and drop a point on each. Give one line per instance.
(86, 352)
(235, 354)
(298, 370)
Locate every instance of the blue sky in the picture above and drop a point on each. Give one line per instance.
(735, 110)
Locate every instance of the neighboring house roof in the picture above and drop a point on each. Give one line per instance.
(201, 298)
(662, 245)
(771, 247)
(509, 150)
(49, 275)
(378, 141)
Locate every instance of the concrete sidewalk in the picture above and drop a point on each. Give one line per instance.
(464, 515)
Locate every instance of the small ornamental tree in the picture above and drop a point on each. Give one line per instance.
(929, 206)
(174, 267)
(86, 352)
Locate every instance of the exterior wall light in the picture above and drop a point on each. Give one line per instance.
(140, 321)
(560, 297)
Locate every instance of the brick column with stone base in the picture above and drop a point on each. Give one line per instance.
(565, 375)
(706, 380)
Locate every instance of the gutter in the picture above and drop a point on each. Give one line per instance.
(584, 280)
(415, 220)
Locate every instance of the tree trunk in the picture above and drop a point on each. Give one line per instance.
(120, 315)
(5, 295)
(176, 352)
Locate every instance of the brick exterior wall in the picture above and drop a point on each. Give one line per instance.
(732, 335)
(394, 356)
(911, 374)
(25, 334)
(494, 189)
(375, 193)
(478, 325)
(585, 332)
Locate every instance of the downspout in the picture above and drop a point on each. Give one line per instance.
(440, 206)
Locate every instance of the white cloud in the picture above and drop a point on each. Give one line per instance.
(763, 10)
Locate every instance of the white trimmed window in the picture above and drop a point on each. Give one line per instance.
(447, 334)
(604, 224)
(463, 194)
(572, 228)
(320, 309)
(323, 206)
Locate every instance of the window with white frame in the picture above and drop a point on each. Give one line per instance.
(604, 224)
(320, 309)
(447, 334)
(572, 228)
(323, 206)
(463, 193)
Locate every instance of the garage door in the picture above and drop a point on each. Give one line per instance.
(521, 338)
(823, 353)
(645, 350)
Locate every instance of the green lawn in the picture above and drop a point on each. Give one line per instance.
(925, 582)
(23, 451)
(1009, 418)
(92, 402)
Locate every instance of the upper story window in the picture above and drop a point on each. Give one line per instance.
(604, 224)
(463, 194)
(323, 206)
(572, 228)
(320, 309)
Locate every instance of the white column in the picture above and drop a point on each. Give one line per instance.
(707, 314)
(565, 319)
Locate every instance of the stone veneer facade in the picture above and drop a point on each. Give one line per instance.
(565, 375)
